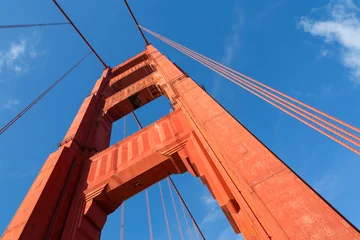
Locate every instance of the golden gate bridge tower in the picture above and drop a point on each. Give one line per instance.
(86, 179)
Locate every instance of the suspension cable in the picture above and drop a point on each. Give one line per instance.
(80, 34)
(253, 80)
(12, 121)
(136, 23)
(291, 114)
(176, 213)
(283, 102)
(238, 80)
(165, 215)
(267, 93)
(186, 221)
(187, 208)
(32, 25)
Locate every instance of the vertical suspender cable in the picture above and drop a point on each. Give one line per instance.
(176, 214)
(149, 215)
(123, 203)
(146, 191)
(122, 221)
(165, 215)
(187, 209)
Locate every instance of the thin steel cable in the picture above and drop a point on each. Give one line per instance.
(178, 193)
(186, 221)
(176, 213)
(146, 191)
(272, 89)
(196, 231)
(336, 140)
(149, 214)
(27, 108)
(80, 34)
(122, 219)
(122, 223)
(271, 96)
(187, 209)
(136, 23)
(165, 215)
(32, 25)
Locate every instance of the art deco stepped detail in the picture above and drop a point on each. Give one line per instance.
(86, 179)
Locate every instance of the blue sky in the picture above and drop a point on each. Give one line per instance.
(307, 49)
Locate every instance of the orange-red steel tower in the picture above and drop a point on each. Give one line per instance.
(86, 179)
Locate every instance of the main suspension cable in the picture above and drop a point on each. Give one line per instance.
(241, 82)
(11, 122)
(265, 92)
(32, 25)
(283, 102)
(80, 34)
(291, 114)
(257, 82)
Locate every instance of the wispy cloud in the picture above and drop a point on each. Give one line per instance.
(267, 11)
(10, 104)
(9, 58)
(228, 233)
(341, 27)
(18, 175)
(15, 57)
(233, 40)
(325, 92)
(213, 212)
(232, 44)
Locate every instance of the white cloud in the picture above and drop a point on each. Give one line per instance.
(341, 27)
(213, 211)
(232, 44)
(15, 57)
(33, 53)
(233, 40)
(228, 234)
(10, 104)
(11, 55)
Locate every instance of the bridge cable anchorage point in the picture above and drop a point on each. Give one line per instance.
(27, 108)
(80, 34)
(240, 80)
